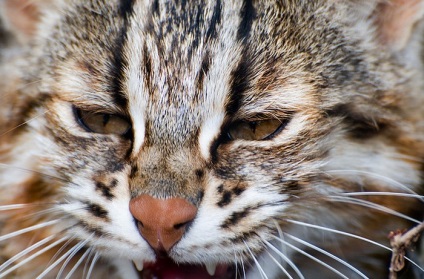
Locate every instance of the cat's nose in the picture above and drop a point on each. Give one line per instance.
(162, 222)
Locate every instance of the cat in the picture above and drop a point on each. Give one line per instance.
(209, 139)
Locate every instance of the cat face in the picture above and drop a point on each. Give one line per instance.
(227, 136)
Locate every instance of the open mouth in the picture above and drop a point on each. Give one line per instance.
(165, 268)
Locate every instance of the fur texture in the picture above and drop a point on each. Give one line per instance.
(345, 77)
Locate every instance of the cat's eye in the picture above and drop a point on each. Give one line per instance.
(256, 130)
(103, 123)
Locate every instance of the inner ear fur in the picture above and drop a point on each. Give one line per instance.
(396, 21)
(20, 17)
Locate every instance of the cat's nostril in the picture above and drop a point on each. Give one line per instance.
(181, 225)
(139, 224)
(162, 222)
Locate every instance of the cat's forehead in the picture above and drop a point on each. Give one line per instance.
(174, 60)
(190, 64)
(174, 52)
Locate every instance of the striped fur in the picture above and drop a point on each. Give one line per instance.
(183, 74)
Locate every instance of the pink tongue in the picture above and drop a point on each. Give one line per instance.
(165, 268)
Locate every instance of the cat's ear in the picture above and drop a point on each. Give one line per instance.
(397, 22)
(21, 17)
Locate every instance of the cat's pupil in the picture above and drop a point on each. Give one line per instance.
(102, 123)
(256, 130)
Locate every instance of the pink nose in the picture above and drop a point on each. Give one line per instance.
(162, 222)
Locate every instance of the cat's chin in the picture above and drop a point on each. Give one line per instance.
(166, 268)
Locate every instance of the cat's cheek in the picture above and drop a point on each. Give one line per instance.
(230, 215)
(107, 224)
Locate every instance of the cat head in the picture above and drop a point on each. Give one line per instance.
(244, 117)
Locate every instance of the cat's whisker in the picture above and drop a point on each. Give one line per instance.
(315, 259)
(35, 255)
(300, 223)
(60, 250)
(29, 229)
(93, 263)
(50, 212)
(85, 270)
(415, 264)
(337, 232)
(68, 255)
(279, 265)
(36, 172)
(285, 258)
(375, 176)
(68, 259)
(373, 206)
(79, 262)
(25, 252)
(258, 265)
(392, 194)
(10, 207)
(72, 255)
(324, 252)
(243, 269)
(281, 235)
(235, 262)
(24, 123)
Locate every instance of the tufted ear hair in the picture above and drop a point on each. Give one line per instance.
(397, 21)
(21, 17)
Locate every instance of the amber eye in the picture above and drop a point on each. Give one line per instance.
(103, 123)
(256, 130)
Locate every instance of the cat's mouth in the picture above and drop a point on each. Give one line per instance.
(166, 268)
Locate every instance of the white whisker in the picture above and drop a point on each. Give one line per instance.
(381, 177)
(261, 271)
(72, 271)
(29, 229)
(279, 265)
(53, 211)
(350, 235)
(36, 172)
(244, 269)
(339, 232)
(92, 252)
(71, 251)
(327, 254)
(16, 206)
(415, 264)
(373, 206)
(59, 274)
(93, 263)
(42, 251)
(61, 249)
(312, 258)
(25, 252)
(285, 258)
(281, 235)
(235, 262)
(392, 194)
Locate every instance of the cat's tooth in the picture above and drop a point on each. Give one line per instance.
(139, 265)
(211, 267)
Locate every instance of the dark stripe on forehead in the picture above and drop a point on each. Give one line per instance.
(240, 77)
(155, 7)
(126, 8)
(247, 14)
(215, 20)
(119, 62)
(203, 72)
